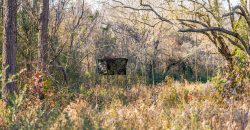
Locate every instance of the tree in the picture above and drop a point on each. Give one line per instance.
(9, 48)
(210, 22)
(43, 36)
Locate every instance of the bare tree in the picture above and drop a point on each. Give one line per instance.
(9, 48)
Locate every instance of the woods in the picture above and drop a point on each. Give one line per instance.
(125, 64)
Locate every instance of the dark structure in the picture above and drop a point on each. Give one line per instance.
(112, 66)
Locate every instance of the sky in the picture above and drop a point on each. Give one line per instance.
(94, 4)
(234, 2)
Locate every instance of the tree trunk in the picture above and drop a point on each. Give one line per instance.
(43, 36)
(248, 6)
(9, 47)
(248, 10)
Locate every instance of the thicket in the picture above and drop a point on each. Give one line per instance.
(74, 96)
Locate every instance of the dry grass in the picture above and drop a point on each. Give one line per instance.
(171, 106)
(174, 106)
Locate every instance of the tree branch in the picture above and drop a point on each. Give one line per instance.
(242, 13)
(234, 34)
(148, 8)
(234, 43)
(193, 21)
(155, 12)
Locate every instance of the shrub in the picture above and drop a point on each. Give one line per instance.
(233, 80)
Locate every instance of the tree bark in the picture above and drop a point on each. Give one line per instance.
(248, 10)
(43, 36)
(9, 47)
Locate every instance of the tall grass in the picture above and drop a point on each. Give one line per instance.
(172, 105)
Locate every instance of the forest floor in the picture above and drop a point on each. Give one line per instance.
(172, 105)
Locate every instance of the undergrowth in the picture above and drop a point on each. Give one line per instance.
(172, 105)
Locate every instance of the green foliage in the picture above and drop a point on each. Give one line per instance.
(232, 80)
(186, 71)
(240, 26)
(15, 102)
(27, 40)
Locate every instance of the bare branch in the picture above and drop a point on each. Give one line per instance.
(155, 12)
(232, 13)
(242, 13)
(193, 21)
(234, 43)
(148, 8)
(223, 30)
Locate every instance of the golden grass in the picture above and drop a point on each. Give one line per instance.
(177, 106)
(174, 106)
